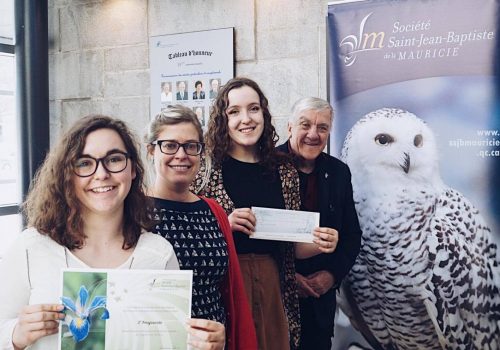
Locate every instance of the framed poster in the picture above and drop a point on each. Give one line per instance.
(189, 69)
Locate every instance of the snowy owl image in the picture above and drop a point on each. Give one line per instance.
(427, 276)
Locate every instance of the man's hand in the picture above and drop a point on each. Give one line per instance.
(303, 287)
(320, 281)
(326, 239)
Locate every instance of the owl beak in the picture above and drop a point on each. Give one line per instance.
(406, 164)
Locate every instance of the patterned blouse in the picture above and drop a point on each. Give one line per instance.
(200, 246)
(209, 183)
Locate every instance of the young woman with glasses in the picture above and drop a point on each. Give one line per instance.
(199, 230)
(244, 170)
(85, 209)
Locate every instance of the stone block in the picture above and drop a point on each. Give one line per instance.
(55, 121)
(174, 16)
(126, 58)
(76, 75)
(64, 3)
(53, 28)
(103, 24)
(288, 42)
(51, 4)
(133, 110)
(127, 83)
(284, 81)
(74, 109)
(278, 14)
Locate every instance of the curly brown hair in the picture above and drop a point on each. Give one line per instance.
(217, 139)
(51, 205)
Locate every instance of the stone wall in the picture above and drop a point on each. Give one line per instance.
(99, 62)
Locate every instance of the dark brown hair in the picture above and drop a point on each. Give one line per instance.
(217, 139)
(52, 207)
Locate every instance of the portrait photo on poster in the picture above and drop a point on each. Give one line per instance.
(198, 93)
(200, 113)
(182, 90)
(166, 92)
(214, 87)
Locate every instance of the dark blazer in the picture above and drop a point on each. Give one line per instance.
(184, 96)
(202, 95)
(336, 211)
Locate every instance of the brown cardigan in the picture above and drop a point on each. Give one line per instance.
(210, 184)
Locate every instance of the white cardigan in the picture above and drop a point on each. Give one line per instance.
(30, 274)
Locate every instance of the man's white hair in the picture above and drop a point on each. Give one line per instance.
(309, 103)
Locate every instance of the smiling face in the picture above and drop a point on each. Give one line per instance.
(245, 120)
(175, 172)
(103, 193)
(309, 133)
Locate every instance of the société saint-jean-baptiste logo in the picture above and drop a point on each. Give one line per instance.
(362, 42)
(414, 40)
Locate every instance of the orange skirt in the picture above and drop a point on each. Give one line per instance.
(262, 286)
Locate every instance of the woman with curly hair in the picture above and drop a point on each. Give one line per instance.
(243, 170)
(85, 209)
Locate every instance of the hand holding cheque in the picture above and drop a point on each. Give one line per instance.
(284, 225)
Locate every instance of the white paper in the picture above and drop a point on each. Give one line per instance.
(284, 225)
(147, 309)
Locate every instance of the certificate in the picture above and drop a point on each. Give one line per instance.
(125, 309)
(284, 225)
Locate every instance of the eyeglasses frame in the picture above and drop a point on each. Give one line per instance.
(179, 145)
(101, 160)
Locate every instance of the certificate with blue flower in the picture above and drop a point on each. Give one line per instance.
(125, 309)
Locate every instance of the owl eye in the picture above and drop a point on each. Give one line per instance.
(384, 139)
(418, 141)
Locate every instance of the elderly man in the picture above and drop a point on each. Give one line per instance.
(325, 187)
(214, 83)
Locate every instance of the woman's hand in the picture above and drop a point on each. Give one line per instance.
(326, 239)
(206, 334)
(243, 220)
(35, 322)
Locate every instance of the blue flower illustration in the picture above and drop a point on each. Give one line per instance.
(78, 320)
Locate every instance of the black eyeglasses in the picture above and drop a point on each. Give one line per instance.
(171, 147)
(114, 163)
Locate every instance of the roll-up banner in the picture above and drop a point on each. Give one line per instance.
(414, 86)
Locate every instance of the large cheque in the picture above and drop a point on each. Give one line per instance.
(125, 309)
(284, 225)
